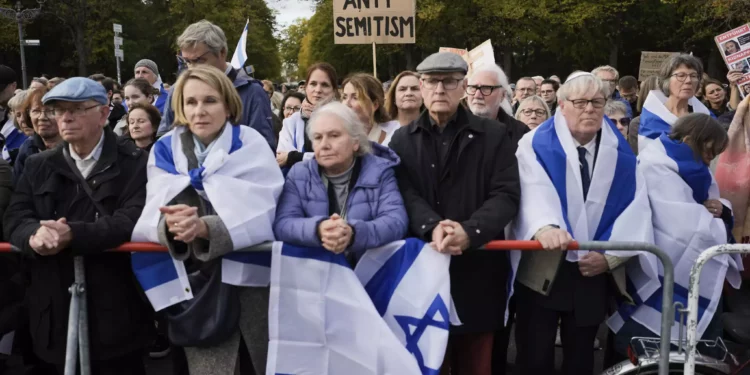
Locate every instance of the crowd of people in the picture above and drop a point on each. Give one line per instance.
(220, 161)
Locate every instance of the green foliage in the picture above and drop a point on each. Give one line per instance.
(291, 43)
(77, 37)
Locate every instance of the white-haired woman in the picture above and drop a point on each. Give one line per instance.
(346, 198)
(617, 111)
(532, 111)
(679, 79)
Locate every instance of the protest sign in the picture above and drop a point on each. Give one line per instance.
(651, 62)
(735, 49)
(374, 21)
(482, 55)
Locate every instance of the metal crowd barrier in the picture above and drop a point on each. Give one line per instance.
(694, 294)
(78, 340)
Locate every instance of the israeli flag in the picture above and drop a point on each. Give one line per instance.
(14, 138)
(390, 316)
(678, 184)
(240, 53)
(656, 119)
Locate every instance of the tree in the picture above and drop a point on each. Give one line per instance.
(291, 43)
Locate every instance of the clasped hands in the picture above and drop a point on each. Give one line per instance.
(184, 223)
(51, 238)
(335, 234)
(449, 237)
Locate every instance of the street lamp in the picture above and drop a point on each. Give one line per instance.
(20, 16)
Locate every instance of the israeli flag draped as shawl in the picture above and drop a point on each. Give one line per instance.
(616, 209)
(390, 316)
(678, 184)
(14, 138)
(242, 182)
(656, 119)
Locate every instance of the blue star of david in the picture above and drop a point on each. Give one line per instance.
(420, 325)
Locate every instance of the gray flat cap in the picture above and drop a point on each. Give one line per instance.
(77, 89)
(443, 62)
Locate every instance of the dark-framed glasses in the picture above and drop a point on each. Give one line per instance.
(683, 76)
(448, 83)
(294, 109)
(582, 103)
(538, 112)
(199, 60)
(485, 90)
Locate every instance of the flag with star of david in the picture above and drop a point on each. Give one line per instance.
(390, 316)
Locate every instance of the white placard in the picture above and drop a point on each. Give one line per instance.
(117, 27)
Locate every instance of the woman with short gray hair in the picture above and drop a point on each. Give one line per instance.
(533, 111)
(346, 198)
(617, 111)
(679, 79)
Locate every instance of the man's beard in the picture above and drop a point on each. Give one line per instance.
(483, 111)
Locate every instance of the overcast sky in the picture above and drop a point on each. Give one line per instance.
(290, 10)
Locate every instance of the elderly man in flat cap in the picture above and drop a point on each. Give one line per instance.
(459, 179)
(81, 199)
(148, 70)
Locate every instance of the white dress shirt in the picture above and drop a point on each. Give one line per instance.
(86, 165)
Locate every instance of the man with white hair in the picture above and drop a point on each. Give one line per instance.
(488, 97)
(610, 76)
(148, 70)
(565, 198)
(205, 43)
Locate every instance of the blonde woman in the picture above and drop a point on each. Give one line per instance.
(364, 94)
(532, 111)
(201, 174)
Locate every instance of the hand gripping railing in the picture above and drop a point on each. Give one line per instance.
(694, 294)
(78, 341)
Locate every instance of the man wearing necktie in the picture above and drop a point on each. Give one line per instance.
(568, 188)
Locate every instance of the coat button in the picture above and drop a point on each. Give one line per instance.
(433, 165)
(471, 135)
(93, 182)
(424, 226)
(478, 231)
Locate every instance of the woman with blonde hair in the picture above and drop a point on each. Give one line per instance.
(364, 94)
(200, 175)
(403, 102)
(533, 111)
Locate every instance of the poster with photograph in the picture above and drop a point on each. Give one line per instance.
(735, 49)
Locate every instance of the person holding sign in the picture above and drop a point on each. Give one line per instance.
(364, 94)
(294, 144)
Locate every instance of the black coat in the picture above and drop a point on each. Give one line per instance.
(120, 320)
(479, 188)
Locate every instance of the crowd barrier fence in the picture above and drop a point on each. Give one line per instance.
(78, 340)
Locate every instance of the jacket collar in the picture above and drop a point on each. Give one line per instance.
(106, 159)
(464, 119)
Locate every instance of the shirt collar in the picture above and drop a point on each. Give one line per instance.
(590, 147)
(95, 154)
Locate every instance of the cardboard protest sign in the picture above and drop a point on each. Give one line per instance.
(374, 21)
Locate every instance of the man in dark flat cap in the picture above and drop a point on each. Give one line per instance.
(78, 200)
(459, 179)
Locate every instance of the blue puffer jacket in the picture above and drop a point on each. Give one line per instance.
(375, 209)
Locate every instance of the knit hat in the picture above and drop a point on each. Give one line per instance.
(148, 64)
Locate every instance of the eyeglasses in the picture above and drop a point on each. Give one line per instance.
(76, 112)
(582, 103)
(485, 90)
(526, 89)
(683, 76)
(36, 113)
(448, 83)
(625, 121)
(610, 81)
(547, 92)
(295, 109)
(538, 112)
(196, 61)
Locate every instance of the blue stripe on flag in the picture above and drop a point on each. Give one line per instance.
(551, 155)
(315, 253)
(153, 269)
(652, 126)
(260, 258)
(163, 155)
(693, 171)
(622, 191)
(680, 295)
(236, 141)
(384, 282)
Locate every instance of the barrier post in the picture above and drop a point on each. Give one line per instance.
(694, 294)
(71, 348)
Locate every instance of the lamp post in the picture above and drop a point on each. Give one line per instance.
(20, 16)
